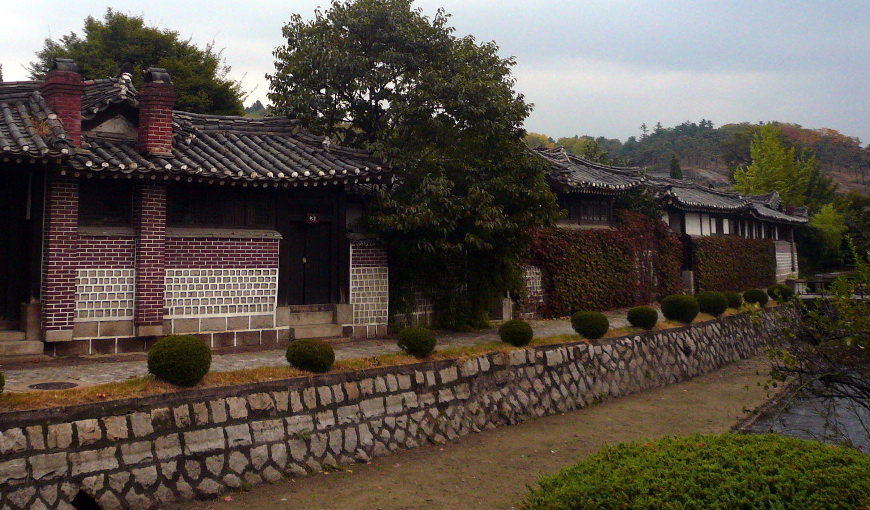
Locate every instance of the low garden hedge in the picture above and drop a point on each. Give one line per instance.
(780, 292)
(680, 308)
(517, 333)
(756, 296)
(712, 302)
(733, 262)
(418, 342)
(311, 355)
(711, 472)
(591, 325)
(182, 360)
(735, 299)
(643, 317)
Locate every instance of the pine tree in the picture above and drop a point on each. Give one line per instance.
(676, 171)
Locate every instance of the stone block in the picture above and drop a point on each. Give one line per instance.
(116, 427)
(218, 410)
(262, 321)
(167, 447)
(325, 419)
(203, 441)
(88, 432)
(238, 407)
(92, 461)
(248, 338)
(13, 472)
(268, 431)
(372, 407)
(299, 424)
(213, 324)
(448, 375)
(261, 403)
(86, 329)
(140, 424)
(181, 326)
(59, 435)
(238, 435)
(325, 395)
(135, 453)
(145, 477)
(116, 328)
(200, 413)
(238, 323)
(36, 437)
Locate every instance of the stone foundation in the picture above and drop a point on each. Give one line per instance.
(145, 453)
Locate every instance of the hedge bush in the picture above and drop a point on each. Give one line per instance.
(515, 332)
(734, 299)
(311, 355)
(780, 292)
(182, 360)
(631, 265)
(712, 472)
(755, 296)
(418, 342)
(643, 317)
(591, 325)
(680, 308)
(733, 262)
(712, 302)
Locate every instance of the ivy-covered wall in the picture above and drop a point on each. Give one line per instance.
(606, 269)
(733, 263)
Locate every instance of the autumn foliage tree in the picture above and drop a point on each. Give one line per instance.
(441, 111)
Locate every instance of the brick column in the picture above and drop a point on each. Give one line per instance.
(60, 258)
(156, 100)
(62, 90)
(150, 217)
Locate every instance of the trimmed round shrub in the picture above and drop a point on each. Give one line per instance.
(780, 292)
(311, 355)
(591, 325)
(680, 308)
(712, 302)
(711, 471)
(418, 342)
(515, 332)
(755, 296)
(182, 360)
(643, 317)
(734, 299)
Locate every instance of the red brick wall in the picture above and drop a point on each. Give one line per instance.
(60, 253)
(62, 91)
(220, 253)
(106, 252)
(149, 205)
(369, 255)
(156, 101)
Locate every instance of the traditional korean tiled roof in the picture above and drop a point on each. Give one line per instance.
(570, 173)
(273, 150)
(28, 127)
(269, 149)
(101, 94)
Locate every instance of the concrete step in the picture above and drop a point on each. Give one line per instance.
(286, 318)
(20, 347)
(317, 331)
(11, 335)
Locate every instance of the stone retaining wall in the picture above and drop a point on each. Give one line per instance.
(144, 453)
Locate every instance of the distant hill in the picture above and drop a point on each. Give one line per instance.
(710, 154)
(256, 110)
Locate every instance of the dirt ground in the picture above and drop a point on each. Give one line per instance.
(491, 470)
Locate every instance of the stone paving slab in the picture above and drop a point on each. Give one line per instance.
(94, 370)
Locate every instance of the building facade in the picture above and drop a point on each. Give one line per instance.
(127, 220)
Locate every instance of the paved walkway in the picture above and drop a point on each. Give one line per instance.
(90, 370)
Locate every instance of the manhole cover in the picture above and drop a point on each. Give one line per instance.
(53, 386)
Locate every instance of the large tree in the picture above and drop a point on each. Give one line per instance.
(439, 109)
(798, 178)
(199, 74)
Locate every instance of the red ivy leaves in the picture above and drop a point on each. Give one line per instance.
(733, 263)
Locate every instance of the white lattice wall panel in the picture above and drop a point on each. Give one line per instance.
(534, 284)
(370, 294)
(105, 294)
(208, 292)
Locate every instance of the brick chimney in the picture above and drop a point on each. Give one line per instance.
(62, 90)
(156, 100)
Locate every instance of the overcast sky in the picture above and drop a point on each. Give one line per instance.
(590, 67)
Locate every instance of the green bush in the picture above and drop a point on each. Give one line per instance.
(311, 355)
(780, 292)
(2, 382)
(711, 471)
(418, 342)
(182, 360)
(755, 296)
(591, 325)
(734, 299)
(712, 302)
(643, 317)
(680, 308)
(516, 333)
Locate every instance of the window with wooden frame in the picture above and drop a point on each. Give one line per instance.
(203, 206)
(586, 211)
(104, 203)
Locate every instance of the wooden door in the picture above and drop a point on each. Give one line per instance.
(14, 247)
(308, 272)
